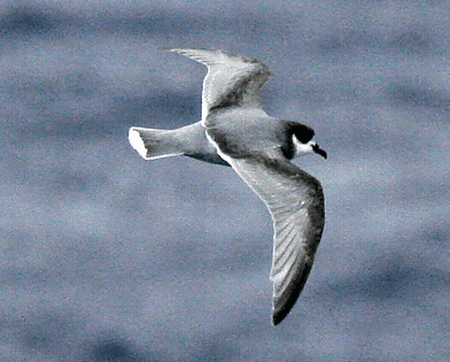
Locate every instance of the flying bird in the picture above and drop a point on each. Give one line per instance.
(235, 131)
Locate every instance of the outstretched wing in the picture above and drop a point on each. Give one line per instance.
(296, 202)
(230, 81)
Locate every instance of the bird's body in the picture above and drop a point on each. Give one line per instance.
(235, 131)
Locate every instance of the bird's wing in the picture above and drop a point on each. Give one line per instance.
(230, 81)
(296, 202)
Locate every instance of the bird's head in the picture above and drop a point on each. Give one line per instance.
(302, 137)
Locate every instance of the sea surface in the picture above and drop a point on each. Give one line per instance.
(107, 257)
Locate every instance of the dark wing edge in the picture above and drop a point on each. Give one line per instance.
(296, 203)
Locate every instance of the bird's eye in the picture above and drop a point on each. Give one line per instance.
(303, 133)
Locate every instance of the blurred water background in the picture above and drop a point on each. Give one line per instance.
(106, 257)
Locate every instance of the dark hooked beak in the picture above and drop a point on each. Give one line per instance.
(319, 151)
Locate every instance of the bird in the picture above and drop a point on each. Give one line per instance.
(235, 131)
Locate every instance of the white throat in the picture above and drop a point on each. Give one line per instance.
(302, 148)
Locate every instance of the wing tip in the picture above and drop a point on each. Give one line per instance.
(175, 49)
(277, 318)
(184, 50)
(285, 301)
(189, 52)
(280, 313)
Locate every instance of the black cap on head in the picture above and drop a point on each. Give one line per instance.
(302, 132)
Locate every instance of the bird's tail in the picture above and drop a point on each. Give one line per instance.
(155, 143)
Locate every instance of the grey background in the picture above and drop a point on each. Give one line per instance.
(106, 257)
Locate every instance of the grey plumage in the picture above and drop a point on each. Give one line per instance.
(237, 132)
